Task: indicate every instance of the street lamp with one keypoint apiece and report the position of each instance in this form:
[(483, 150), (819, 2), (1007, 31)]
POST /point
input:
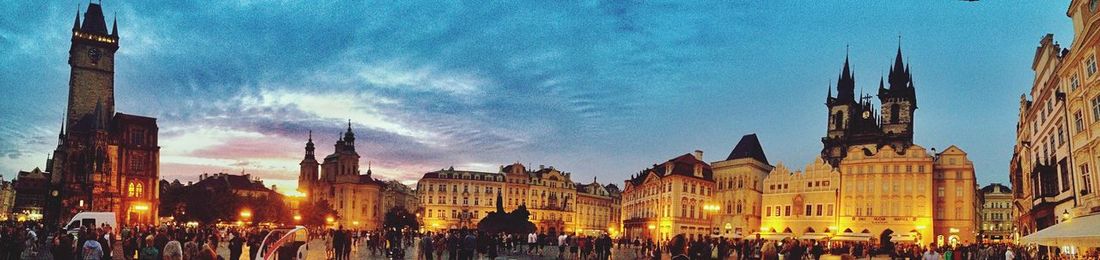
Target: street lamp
[(245, 213), (297, 218), (1065, 215)]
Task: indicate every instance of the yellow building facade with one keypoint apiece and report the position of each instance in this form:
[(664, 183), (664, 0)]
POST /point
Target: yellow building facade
[(739, 187), (886, 193), (1079, 71), (596, 210), (887, 187), (356, 197), (455, 199), (671, 198), (801, 204)]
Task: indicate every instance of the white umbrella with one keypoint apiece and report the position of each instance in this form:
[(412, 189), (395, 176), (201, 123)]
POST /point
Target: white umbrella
[(1081, 232)]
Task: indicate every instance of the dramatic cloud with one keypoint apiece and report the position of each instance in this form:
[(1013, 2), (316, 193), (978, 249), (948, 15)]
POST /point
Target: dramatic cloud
[(595, 88)]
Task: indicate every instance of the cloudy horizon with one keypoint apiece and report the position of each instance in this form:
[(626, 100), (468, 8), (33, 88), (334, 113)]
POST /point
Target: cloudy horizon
[(599, 89)]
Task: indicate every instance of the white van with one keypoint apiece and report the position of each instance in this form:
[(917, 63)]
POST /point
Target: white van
[(92, 219)]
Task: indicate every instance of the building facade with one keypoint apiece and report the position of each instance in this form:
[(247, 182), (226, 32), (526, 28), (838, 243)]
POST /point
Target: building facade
[(356, 198), (1083, 95), (670, 199), (801, 204), (7, 199), (885, 186), (996, 214), (1043, 166), (32, 193), (596, 210), (104, 161), (398, 195), (456, 199), (739, 187), (1054, 164)]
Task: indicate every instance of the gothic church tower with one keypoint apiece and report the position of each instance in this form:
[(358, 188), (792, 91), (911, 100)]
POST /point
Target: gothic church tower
[(92, 62)]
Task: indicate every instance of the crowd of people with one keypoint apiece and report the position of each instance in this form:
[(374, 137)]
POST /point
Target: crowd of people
[(31, 240), (470, 244)]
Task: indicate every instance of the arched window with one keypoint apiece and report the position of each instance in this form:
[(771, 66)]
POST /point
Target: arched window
[(134, 189)]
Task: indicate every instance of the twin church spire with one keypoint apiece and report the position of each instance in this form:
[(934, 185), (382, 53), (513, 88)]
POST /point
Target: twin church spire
[(854, 121)]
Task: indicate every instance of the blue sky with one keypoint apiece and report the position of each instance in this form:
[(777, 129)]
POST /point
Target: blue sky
[(596, 88)]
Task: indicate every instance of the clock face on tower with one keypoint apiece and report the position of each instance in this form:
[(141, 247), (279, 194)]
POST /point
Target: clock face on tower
[(866, 114), (94, 54)]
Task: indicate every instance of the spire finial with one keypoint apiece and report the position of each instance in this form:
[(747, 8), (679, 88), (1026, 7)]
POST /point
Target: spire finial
[(311, 135)]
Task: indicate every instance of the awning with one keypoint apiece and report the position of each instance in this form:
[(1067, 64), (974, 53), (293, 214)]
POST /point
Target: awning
[(813, 236), (773, 236), (852, 237), (903, 238), (1080, 231)]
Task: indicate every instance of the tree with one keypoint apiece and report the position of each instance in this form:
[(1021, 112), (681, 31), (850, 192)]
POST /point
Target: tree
[(270, 208), (314, 213), (398, 217), (501, 222)]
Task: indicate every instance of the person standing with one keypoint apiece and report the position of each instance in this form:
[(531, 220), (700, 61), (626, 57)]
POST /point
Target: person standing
[(236, 246), (424, 247), (532, 242), (1008, 254), (930, 253), (469, 245)]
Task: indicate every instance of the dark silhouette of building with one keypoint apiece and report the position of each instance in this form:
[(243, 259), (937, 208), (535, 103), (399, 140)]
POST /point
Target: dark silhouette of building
[(104, 161), (853, 120)]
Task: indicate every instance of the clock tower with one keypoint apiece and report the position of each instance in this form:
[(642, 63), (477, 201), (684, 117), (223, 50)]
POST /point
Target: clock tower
[(92, 62)]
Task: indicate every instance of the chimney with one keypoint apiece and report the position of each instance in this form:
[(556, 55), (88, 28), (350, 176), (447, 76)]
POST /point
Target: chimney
[(699, 155)]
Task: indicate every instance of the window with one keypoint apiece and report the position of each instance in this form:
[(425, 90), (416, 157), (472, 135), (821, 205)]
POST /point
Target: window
[(1074, 82), (1096, 108), (809, 210), (819, 206), (768, 212), (830, 211), (958, 192), (787, 210), (1078, 122), (1061, 136), (1090, 63), (1086, 180), (939, 192), (135, 189)]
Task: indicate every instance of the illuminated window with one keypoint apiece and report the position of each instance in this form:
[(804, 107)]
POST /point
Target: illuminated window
[(134, 189)]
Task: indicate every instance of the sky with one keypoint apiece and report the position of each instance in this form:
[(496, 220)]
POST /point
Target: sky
[(600, 89)]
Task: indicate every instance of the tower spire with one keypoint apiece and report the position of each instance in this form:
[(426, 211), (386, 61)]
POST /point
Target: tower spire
[(76, 24), (114, 26), (845, 82)]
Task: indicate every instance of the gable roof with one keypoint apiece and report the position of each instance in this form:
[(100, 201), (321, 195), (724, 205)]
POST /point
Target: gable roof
[(683, 165), (748, 147)]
